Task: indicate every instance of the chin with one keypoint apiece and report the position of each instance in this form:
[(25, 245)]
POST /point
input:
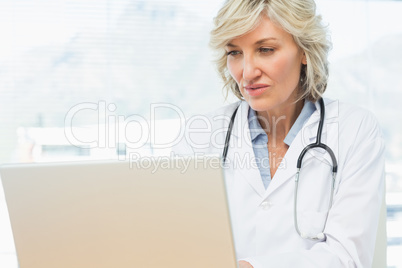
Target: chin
[(261, 105)]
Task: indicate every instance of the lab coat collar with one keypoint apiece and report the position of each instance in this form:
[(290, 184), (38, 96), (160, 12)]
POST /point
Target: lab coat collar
[(240, 124), (306, 136), (331, 112), (242, 155), (241, 128), (287, 170)]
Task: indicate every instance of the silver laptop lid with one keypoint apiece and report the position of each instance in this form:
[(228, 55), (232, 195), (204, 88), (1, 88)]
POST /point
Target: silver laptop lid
[(120, 214)]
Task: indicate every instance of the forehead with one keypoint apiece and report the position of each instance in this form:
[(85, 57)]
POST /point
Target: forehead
[(265, 29)]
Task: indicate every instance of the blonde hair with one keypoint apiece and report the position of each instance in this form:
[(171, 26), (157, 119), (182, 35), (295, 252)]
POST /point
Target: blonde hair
[(238, 17)]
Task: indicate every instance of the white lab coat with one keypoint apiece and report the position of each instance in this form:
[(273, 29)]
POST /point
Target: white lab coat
[(263, 219)]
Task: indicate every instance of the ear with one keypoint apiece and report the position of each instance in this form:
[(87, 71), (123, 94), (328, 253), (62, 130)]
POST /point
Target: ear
[(304, 59)]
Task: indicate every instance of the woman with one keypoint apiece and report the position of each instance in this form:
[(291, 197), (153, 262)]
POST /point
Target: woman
[(272, 54)]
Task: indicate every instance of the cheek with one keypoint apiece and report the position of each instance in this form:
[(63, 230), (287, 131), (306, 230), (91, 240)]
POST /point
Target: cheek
[(285, 69), (234, 69)]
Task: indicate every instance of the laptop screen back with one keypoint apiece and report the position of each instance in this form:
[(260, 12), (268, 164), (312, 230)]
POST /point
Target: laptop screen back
[(120, 214)]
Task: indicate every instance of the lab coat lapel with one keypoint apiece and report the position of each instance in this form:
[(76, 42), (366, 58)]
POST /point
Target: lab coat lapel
[(241, 153), (306, 136), (329, 133), (287, 169)]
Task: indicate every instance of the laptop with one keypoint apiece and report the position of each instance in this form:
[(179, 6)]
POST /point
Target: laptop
[(144, 213)]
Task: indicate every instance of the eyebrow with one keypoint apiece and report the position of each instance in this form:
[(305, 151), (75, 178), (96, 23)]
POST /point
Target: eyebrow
[(259, 42), (265, 40), (230, 45)]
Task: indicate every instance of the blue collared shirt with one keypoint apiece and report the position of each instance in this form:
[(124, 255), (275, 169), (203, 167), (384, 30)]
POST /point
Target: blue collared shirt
[(259, 138)]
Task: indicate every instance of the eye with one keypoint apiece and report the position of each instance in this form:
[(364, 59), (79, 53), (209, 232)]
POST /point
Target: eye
[(266, 50), (233, 53)]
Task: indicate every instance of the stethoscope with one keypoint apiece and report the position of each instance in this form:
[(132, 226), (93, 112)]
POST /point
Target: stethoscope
[(317, 144)]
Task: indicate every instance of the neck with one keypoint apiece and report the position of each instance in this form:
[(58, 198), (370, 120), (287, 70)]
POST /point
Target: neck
[(278, 122)]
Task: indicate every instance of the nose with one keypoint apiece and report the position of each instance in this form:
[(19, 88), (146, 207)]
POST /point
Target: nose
[(251, 70)]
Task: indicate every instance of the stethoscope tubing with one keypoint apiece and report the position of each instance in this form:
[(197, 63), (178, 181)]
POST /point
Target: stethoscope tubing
[(318, 144)]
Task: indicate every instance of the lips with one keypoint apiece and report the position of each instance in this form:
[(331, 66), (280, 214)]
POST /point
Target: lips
[(256, 89)]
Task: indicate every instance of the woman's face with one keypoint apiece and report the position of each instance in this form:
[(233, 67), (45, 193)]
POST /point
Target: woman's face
[(266, 65)]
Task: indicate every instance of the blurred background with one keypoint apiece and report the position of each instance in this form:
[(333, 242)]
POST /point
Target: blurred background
[(88, 65)]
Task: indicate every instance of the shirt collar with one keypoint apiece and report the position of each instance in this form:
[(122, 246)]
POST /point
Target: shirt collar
[(306, 112), (254, 126), (256, 129)]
